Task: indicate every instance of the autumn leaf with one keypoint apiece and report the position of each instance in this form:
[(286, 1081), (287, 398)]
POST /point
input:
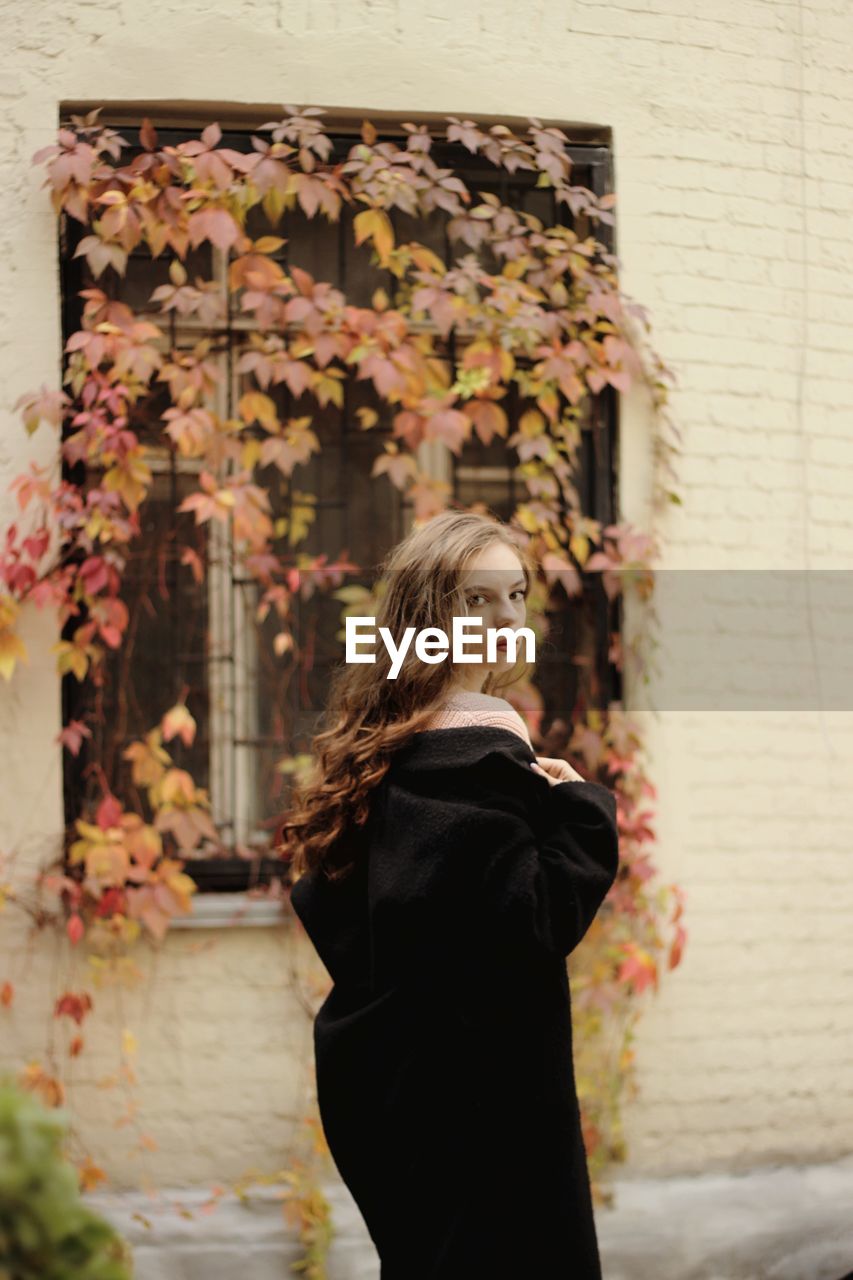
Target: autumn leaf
[(450, 426), (179, 721), (73, 1006), (148, 759), (367, 417), (90, 1174), (34, 1079), (254, 406), (558, 569), (328, 386), (212, 503), (74, 928), (12, 648), (129, 478), (376, 225), (399, 467), (45, 406), (72, 657), (489, 419), (269, 244), (176, 788), (215, 225), (108, 813), (639, 969)]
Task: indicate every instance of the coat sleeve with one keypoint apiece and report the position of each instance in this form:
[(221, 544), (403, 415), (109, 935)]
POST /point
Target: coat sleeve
[(553, 865)]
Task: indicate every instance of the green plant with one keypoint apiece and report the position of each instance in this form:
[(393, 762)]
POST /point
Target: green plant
[(46, 1231)]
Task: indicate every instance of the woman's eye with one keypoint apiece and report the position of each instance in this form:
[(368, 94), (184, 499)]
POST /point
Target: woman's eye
[(521, 591)]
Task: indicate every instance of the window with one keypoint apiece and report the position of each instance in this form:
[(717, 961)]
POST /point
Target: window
[(202, 640)]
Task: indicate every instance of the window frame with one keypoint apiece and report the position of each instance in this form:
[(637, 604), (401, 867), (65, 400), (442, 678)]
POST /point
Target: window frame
[(232, 756)]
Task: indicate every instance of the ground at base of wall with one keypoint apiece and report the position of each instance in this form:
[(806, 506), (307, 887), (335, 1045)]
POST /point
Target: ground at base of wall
[(784, 1223), (772, 1224)]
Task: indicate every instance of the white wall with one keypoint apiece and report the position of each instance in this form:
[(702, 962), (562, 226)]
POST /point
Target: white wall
[(732, 141)]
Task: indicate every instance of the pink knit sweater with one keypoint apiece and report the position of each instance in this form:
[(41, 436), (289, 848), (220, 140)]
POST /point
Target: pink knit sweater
[(465, 707)]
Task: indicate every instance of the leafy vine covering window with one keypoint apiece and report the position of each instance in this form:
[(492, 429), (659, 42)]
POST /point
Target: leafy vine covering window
[(340, 457), (282, 345)]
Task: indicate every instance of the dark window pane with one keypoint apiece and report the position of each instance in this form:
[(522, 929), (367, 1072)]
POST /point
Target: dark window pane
[(164, 654)]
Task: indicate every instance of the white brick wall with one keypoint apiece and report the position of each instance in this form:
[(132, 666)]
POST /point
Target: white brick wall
[(732, 143)]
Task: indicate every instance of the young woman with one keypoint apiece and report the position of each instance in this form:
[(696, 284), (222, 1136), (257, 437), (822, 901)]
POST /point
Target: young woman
[(444, 873)]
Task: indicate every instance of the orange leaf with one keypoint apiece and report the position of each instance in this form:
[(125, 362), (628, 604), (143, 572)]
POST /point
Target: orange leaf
[(90, 1174)]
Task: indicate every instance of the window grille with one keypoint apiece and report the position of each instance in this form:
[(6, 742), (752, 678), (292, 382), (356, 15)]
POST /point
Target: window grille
[(202, 640)]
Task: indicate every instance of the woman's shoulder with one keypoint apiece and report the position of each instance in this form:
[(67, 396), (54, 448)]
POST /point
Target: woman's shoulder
[(469, 707)]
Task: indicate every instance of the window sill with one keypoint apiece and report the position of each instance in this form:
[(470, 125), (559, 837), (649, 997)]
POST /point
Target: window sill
[(232, 910)]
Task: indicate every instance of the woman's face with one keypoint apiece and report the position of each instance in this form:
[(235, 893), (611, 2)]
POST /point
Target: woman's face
[(493, 586)]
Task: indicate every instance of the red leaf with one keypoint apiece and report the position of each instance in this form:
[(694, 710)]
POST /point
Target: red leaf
[(75, 929), (109, 812), (73, 1006), (72, 736)]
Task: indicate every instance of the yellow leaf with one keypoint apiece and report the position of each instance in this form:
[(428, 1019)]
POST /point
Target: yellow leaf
[(177, 787), (532, 423), (182, 886), (579, 547), (254, 406), (128, 1042), (527, 519), (9, 610), (507, 364), (515, 269), (11, 649), (250, 454), (71, 658), (375, 224), (275, 202), (425, 260), (268, 244)]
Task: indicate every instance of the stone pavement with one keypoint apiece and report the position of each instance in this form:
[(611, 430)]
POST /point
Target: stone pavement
[(771, 1224)]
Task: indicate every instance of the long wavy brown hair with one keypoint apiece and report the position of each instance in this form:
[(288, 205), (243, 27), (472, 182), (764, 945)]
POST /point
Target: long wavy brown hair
[(367, 716)]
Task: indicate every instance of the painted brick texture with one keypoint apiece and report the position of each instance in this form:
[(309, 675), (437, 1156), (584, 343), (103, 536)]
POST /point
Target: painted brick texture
[(733, 155)]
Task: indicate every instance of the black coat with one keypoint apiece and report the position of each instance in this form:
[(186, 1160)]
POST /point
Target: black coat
[(443, 1052)]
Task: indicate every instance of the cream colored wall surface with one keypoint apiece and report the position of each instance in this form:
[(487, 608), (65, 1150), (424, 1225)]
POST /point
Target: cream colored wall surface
[(732, 141)]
